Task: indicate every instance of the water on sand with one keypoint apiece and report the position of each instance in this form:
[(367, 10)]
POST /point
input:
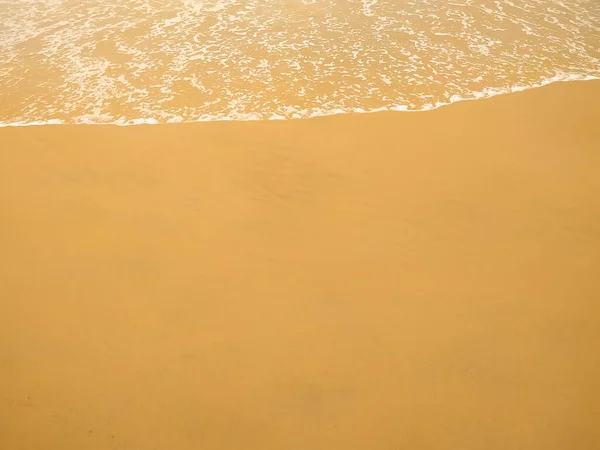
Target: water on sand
[(149, 61)]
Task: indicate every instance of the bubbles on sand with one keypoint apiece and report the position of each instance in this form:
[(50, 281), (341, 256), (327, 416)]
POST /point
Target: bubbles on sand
[(150, 61)]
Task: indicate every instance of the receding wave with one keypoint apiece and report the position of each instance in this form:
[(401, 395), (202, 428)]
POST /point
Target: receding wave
[(150, 61)]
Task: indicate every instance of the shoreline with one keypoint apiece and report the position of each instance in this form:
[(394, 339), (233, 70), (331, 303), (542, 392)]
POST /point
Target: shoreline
[(477, 96)]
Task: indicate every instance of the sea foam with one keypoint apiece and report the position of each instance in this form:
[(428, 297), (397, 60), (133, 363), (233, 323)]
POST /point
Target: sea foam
[(181, 61)]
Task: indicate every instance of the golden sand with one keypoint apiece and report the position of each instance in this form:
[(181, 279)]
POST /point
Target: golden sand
[(385, 281)]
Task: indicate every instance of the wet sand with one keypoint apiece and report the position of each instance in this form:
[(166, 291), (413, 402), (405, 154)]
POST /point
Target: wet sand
[(385, 281)]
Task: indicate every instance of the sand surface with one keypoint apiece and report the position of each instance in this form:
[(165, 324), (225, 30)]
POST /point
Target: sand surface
[(385, 281)]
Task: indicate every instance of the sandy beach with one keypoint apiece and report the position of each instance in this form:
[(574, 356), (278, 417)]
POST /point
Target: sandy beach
[(368, 281)]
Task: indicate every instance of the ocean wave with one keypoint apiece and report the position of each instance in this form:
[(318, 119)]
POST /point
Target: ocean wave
[(141, 62), (485, 94)]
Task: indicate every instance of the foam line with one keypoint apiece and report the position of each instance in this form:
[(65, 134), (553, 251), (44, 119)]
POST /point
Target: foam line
[(486, 94)]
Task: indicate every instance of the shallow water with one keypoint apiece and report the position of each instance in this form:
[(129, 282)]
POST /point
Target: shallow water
[(145, 61)]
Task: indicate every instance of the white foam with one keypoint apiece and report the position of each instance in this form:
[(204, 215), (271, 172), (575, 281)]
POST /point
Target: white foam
[(317, 112), (367, 7), (32, 123), (198, 60)]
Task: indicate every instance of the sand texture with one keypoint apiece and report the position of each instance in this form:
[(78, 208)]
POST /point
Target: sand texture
[(418, 281)]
